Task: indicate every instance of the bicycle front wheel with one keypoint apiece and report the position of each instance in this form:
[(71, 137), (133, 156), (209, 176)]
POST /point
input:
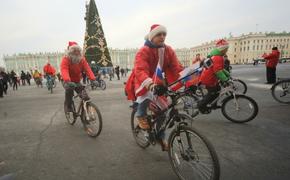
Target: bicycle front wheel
[(102, 84), (70, 116), (281, 91), (239, 108), (92, 120), (192, 156), (240, 86), (141, 136)]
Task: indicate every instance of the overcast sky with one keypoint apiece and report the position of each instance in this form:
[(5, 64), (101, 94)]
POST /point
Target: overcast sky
[(47, 25)]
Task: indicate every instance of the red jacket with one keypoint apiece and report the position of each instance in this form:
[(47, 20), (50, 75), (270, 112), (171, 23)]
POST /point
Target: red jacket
[(208, 77), (73, 72), (272, 59), (49, 69), (146, 61)]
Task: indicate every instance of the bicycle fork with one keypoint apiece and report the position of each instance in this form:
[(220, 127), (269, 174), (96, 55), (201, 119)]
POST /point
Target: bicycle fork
[(188, 153), (86, 110)]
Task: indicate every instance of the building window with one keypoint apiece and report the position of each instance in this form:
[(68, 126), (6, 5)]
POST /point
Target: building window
[(248, 48), (244, 48), (261, 41), (254, 41), (235, 49), (257, 41), (235, 56), (261, 47), (254, 47), (273, 40), (270, 40), (248, 42), (241, 49), (257, 47)]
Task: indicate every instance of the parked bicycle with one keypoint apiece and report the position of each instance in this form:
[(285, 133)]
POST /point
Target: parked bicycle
[(88, 112), (191, 155), (281, 90)]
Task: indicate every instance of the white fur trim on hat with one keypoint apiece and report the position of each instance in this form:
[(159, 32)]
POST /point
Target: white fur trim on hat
[(73, 47), (223, 47), (155, 31)]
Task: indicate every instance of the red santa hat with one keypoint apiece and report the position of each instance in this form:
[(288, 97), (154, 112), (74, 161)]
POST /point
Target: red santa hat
[(221, 44), (154, 30), (72, 46)]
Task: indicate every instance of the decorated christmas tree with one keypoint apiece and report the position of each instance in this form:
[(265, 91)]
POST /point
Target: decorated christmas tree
[(95, 45)]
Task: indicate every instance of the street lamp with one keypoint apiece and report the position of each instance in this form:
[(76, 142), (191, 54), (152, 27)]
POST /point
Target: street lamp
[(282, 47)]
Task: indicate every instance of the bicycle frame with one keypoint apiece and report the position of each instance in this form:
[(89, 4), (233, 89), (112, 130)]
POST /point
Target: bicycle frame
[(170, 112), (82, 105)]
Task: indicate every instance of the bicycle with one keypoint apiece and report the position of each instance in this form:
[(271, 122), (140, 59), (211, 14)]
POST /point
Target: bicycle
[(88, 112), (232, 104), (281, 90), (100, 84), (191, 155)]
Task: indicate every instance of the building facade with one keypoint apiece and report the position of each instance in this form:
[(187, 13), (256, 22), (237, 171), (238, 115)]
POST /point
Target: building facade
[(120, 57), (246, 48), (243, 49)]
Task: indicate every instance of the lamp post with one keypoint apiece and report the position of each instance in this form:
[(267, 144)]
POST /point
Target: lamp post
[(282, 47)]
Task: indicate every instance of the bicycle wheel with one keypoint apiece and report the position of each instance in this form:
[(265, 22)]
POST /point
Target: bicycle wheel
[(93, 120), (51, 87), (141, 136), (102, 84), (187, 104), (54, 84), (239, 109), (192, 156), (240, 86), (281, 91), (70, 117)]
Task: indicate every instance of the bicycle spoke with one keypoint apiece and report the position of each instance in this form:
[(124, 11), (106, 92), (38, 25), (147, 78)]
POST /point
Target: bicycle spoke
[(194, 160)]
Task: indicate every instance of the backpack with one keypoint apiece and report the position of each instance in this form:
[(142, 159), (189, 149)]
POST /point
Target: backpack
[(130, 87)]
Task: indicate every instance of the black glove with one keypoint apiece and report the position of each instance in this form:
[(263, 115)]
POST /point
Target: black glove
[(159, 90), (70, 85)]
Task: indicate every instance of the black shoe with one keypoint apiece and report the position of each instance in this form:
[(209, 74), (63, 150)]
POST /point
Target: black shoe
[(215, 106), (204, 110)]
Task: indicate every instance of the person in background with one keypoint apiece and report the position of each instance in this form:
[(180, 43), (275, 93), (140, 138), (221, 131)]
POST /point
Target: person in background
[(23, 78), (28, 77), (271, 64), (14, 80)]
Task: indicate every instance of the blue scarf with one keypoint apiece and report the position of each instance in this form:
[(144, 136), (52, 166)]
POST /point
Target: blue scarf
[(151, 45)]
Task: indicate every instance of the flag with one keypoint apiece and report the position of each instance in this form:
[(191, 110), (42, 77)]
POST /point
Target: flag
[(158, 76)]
